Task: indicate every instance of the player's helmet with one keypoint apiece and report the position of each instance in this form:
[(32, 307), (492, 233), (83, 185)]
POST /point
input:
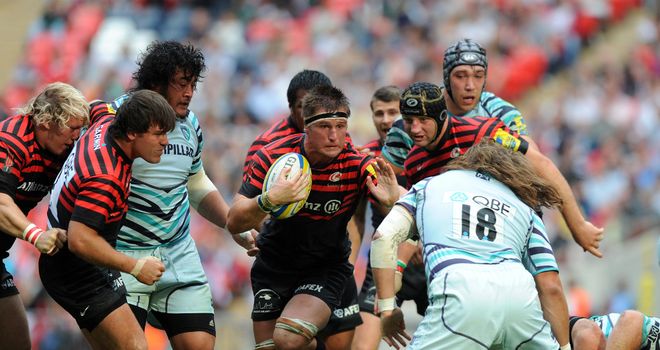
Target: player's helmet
[(424, 100), (463, 52)]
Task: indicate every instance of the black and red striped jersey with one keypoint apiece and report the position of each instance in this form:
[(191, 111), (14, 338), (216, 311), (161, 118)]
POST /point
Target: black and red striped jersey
[(374, 146), (27, 171), (281, 129), (92, 187), (462, 133), (316, 235)]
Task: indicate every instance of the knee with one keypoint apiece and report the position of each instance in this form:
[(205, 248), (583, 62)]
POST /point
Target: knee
[(288, 341), (588, 336), (291, 334)]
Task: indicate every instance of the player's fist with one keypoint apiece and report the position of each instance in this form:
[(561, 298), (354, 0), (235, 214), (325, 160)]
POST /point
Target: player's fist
[(148, 270), (51, 241)]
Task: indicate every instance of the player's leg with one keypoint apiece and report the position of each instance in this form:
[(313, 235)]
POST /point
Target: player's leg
[(118, 330), (14, 331), (585, 334), (138, 294), (182, 302), (367, 335), (338, 334), (301, 319), (627, 333)]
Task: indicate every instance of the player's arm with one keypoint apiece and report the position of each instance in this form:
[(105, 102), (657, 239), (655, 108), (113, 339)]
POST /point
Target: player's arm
[(247, 213), (14, 223), (391, 232), (584, 232), (553, 303), (86, 243)]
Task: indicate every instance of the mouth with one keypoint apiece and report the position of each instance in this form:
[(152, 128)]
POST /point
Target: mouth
[(469, 99)]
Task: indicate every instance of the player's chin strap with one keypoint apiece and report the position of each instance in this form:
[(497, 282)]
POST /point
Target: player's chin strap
[(265, 345), (297, 326)]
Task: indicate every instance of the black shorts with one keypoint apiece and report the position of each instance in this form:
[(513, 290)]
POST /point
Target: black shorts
[(274, 285), (7, 286), (413, 287), (347, 315), (88, 292)]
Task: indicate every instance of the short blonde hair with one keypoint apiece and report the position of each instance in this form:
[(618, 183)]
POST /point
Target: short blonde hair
[(57, 102)]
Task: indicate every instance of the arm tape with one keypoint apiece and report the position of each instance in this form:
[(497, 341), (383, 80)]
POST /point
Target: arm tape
[(393, 230), (199, 185)]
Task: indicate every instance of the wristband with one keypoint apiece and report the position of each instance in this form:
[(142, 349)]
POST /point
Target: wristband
[(32, 233), (566, 347), (264, 203), (139, 264), (386, 304), (400, 266), (138, 267)]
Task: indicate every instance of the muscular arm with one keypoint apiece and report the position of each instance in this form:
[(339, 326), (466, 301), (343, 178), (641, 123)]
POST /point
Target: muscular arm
[(13, 222), (244, 215), (206, 199), (553, 303), (585, 234), (86, 243), (12, 219)]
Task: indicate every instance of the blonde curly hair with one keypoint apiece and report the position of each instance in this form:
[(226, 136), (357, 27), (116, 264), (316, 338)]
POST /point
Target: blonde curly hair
[(57, 103)]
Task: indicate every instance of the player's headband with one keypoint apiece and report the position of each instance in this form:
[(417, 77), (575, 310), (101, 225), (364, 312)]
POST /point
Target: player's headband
[(331, 115)]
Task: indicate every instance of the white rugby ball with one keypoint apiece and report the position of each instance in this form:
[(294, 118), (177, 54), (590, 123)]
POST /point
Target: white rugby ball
[(297, 163)]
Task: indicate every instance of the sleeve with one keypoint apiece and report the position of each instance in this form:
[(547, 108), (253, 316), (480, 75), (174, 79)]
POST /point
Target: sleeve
[(504, 111), (99, 109), (253, 179), (12, 160), (509, 139), (100, 202), (197, 158), (539, 256), (409, 200), (397, 144)]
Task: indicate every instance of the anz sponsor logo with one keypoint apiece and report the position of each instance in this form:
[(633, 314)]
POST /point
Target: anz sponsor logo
[(330, 207), (347, 311), (178, 150)]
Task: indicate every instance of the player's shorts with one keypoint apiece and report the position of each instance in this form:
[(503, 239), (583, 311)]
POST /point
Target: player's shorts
[(274, 285), (413, 287), (88, 292), (477, 306), (7, 286), (650, 333), (346, 316), (182, 292)]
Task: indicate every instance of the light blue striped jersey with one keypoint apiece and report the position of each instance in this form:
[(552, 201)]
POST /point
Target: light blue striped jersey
[(650, 329), (158, 206), (398, 143), (466, 217)]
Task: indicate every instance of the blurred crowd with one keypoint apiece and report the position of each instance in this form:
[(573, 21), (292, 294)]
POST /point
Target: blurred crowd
[(599, 128)]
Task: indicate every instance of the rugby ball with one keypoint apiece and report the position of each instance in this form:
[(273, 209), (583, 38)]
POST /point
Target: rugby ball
[(297, 163)]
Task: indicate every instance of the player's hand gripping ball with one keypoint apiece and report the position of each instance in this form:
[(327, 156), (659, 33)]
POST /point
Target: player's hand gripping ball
[(297, 162)]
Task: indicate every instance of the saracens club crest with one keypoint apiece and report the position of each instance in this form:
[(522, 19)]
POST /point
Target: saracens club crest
[(335, 177), (8, 164)]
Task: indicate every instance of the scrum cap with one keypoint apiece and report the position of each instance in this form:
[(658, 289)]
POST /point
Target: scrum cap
[(463, 52), (424, 100)]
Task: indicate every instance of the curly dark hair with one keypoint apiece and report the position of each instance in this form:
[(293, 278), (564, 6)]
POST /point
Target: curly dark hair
[(160, 62)]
